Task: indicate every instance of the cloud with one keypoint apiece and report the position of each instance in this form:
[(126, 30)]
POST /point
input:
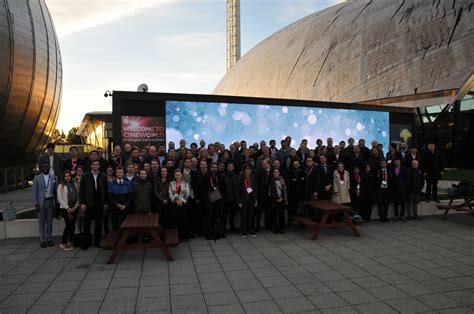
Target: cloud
[(75, 15)]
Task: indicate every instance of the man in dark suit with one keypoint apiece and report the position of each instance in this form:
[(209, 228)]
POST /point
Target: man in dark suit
[(384, 182), (355, 159), (313, 179), (273, 149), (92, 196), (364, 149), (264, 178), (399, 188), (413, 155), (326, 172), (55, 161), (303, 152), (433, 169), (335, 157)]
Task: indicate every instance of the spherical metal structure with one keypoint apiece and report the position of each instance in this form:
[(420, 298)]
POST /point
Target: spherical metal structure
[(30, 79), (361, 50)]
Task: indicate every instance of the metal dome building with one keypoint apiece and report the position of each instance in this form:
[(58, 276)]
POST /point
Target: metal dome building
[(30, 79), (361, 51)]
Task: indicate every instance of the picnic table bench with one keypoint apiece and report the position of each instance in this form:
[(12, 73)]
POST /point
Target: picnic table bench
[(143, 225), (465, 206), (330, 214)]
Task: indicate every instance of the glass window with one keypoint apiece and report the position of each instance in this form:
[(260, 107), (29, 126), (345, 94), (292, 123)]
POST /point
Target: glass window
[(467, 103)]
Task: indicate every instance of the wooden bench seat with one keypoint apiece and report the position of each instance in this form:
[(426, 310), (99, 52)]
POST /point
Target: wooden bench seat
[(108, 243), (305, 221), (171, 238)]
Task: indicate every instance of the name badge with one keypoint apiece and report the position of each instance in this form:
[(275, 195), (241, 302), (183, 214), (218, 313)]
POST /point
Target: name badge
[(341, 182), (389, 161), (249, 190), (384, 182), (358, 186)]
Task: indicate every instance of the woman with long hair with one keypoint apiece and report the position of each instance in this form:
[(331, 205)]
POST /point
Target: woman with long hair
[(368, 191), (179, 193), (161, 186), (68, 198)]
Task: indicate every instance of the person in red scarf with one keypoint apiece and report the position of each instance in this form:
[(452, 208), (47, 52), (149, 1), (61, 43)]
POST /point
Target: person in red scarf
[(247, 200)]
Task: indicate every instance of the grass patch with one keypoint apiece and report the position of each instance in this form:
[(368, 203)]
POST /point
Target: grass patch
[(458, 175), (29, 214)]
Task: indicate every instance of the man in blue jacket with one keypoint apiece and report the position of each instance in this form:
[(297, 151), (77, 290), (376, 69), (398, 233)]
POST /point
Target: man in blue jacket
[(44, 199), (120, 198)]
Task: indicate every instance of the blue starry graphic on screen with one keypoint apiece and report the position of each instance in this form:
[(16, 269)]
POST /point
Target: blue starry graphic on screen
[(230, 122)]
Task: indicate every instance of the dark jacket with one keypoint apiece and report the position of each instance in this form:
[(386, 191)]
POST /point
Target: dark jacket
[(355, 161), (231, 186), (432, 165), (296, 184), (369, 187), (161, 189), (380, 178), (120, 193), (400, 182), (409, 158), (242, 191), (313, 181), (416, 180), (69, 166), (273, 189), (201, 181), (88, 194), (264, 181), (58, 166), (142, 194)]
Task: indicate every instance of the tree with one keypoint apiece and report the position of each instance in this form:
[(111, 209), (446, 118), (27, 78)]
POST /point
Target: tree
[(72, 138)]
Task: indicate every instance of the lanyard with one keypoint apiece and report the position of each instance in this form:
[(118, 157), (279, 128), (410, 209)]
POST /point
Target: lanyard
[(212, 182)]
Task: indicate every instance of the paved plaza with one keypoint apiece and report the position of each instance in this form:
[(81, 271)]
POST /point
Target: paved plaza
[(417, 266)]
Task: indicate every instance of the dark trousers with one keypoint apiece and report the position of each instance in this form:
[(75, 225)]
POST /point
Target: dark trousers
[(70, 225), (196, 216), (106, 222), (117, 216), (247, 216), (94, 212), (263, 207), (383, 200), (431, 187), (399, 203), (230, 208), (413, 199), (366, 208), (178, 217), (277, 215), (214, 219)]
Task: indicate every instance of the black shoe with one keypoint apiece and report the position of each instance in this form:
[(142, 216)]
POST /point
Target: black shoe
[(253, 234), (50, 243), (243, 235), (43, 244)]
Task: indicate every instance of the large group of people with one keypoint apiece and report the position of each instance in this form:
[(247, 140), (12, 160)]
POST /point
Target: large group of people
[(199, 189)]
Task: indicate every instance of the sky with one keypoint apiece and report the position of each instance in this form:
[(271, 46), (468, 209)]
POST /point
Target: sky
[(171, 45)]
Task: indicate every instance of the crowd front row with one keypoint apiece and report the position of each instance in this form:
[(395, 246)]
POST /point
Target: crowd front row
[(200, 191)]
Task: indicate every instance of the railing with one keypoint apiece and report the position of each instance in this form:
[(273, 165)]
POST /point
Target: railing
[(13, 178)]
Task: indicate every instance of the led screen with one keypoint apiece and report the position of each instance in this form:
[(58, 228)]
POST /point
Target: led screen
[(229, 122)]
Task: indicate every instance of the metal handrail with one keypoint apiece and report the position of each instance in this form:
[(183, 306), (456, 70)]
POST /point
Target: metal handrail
[(12, 178)]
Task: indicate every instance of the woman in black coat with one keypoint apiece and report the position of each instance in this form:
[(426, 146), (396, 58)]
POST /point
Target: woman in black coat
[(355, 182), (296, 189), (368, 191)]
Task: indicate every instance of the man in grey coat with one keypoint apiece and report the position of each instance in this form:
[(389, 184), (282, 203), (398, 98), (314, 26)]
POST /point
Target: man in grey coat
[(44, 199)]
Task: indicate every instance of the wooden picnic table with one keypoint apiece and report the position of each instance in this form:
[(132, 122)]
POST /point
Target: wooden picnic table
[(143, 225), (466, 206), (330, 214)]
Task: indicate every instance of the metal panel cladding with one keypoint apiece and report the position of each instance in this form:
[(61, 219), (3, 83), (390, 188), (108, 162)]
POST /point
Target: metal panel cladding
[(30, 79)]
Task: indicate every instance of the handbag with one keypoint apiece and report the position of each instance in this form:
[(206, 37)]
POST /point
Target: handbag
[(82, 240), (214, 196)]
